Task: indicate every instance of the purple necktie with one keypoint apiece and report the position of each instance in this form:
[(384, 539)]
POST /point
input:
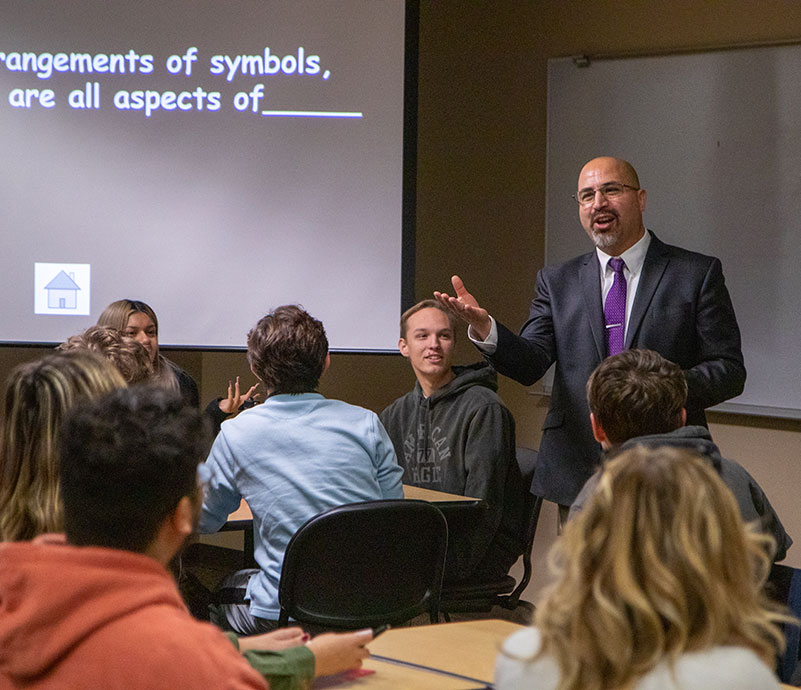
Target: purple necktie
[(615, 309)]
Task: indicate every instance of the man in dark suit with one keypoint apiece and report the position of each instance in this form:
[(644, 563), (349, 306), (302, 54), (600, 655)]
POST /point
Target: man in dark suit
[(670, 300)]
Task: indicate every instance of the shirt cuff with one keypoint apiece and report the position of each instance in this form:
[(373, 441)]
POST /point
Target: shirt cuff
[(489, 345)]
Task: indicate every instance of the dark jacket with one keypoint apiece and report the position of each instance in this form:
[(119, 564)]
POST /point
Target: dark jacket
[(682, 310), (754, 504), (461, 440)]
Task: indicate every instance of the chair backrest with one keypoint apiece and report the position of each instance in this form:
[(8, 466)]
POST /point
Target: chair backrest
[(784, 586), (365, 564), (481, 595), (527, 461)]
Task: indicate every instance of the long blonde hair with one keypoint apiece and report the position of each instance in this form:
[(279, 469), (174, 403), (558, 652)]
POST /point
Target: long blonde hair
[(38, 394), (116, 315), (657, 564)]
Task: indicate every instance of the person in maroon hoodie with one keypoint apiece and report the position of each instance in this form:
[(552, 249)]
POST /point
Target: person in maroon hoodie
[(96, 607)]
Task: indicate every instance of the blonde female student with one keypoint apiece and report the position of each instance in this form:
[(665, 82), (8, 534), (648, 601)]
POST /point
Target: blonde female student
[(38, 395), (659, 587)]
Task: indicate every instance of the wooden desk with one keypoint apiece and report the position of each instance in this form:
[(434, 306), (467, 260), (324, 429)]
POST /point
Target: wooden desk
[(468, 648), (242, 518), (390, 676), (399, 656), (432, 496)]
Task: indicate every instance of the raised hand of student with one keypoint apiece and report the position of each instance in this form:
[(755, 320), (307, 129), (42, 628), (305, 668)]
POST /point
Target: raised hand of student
[(231, 404), (336, 652)]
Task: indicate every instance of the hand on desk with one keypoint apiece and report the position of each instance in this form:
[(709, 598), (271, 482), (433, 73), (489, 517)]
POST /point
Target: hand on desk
[(336, 652)]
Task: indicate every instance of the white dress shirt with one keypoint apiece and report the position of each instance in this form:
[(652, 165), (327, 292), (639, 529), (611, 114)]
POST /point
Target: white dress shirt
[(633, 257)]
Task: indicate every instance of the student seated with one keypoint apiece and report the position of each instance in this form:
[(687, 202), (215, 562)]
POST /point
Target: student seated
[(97, 608), (638, 398), (137, 320), (292, 457), (127, 355), (38, 395), (659, 587), (452, 433)]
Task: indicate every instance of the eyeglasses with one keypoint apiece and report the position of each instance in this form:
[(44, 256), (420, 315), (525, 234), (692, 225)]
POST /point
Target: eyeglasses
[(610, 190)]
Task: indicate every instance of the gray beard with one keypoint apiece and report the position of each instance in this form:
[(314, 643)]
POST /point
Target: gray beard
[(603, 240)]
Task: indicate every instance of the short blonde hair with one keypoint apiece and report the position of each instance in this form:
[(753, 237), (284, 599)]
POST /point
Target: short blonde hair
[(657, 564), (38, 394), (426, 304)]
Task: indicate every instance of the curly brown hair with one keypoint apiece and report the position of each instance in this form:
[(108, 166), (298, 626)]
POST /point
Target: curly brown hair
[(287, 350), (126, 354)]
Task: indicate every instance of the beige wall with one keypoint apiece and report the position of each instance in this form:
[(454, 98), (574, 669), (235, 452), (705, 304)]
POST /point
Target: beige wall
[(481, 171)]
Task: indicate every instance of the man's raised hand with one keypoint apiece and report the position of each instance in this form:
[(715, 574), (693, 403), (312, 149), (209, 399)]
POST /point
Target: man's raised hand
[(467, 308)]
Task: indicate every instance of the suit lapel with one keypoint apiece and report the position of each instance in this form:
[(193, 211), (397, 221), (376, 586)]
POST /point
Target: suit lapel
[(653, 269), (590, 279)]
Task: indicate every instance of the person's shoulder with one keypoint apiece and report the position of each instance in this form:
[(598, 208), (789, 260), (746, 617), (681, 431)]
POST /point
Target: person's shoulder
[(166, 643), (522, 644), (515, 666), (674, 252), (569, 266), (398, 404), (344, 410), (718, 668), (477, 382), (479, 396)]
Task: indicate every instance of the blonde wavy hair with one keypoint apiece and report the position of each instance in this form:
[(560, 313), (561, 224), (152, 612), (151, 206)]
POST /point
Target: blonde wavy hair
[(38, 394), (657, 564), (116, 315)]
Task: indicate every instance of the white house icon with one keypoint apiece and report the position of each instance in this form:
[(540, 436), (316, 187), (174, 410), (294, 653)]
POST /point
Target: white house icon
[(62, 292)]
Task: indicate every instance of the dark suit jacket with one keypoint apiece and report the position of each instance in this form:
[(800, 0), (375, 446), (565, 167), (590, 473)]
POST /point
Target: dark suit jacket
[(682, 310)]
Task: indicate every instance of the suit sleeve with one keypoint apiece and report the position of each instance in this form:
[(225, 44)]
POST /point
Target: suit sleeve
[(720, 372), (526, 357)]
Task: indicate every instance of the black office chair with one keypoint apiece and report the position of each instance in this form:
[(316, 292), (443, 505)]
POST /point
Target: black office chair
[(365, 564), (784, 586), (480, 596)]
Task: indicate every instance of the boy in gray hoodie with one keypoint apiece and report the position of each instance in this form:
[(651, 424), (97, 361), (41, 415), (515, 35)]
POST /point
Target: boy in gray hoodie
[(453, 434)]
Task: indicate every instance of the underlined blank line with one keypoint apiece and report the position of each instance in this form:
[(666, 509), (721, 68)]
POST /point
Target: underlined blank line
[(308, 113)]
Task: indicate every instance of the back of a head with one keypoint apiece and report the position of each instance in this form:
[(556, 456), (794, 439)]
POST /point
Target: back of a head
[(128, 356), (127, 459), (658, 563), (637, 393), (38, 395), (287, 350)]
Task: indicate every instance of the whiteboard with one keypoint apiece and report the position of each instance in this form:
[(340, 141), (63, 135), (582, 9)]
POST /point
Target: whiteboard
[(716, 140)]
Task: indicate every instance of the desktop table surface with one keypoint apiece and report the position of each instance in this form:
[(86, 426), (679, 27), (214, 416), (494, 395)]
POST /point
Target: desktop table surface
[(466, 648), (242, 516), (421, 657)]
